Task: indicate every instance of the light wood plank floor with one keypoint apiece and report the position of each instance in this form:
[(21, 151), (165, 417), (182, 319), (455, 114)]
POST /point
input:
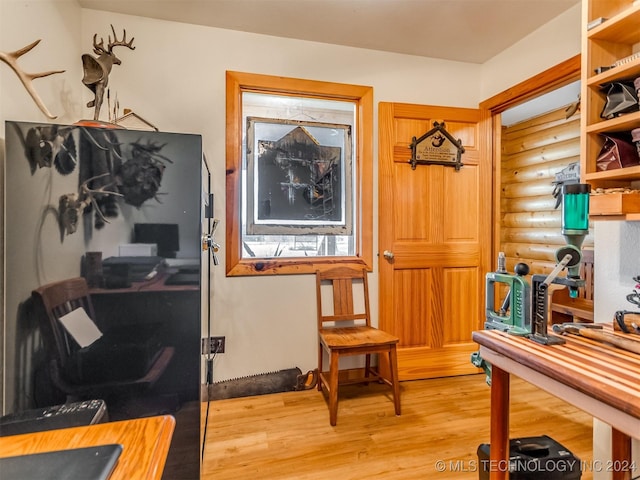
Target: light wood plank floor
[(288, 436)]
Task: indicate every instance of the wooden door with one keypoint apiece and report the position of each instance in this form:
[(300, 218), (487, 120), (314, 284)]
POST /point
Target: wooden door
[(436, 222)]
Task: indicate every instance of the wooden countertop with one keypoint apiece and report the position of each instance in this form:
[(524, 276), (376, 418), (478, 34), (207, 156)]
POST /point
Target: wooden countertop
[(145, 443), (601, 371)]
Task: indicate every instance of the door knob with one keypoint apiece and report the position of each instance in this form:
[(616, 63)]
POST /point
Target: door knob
[(388, 255)]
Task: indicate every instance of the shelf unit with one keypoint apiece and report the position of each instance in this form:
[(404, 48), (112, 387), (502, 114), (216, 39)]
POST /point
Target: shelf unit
[(614, 39)]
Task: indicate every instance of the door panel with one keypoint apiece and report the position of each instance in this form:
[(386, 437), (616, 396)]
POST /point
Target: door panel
[(461, 223), (410, 225), (412, 312), (436, 222), (460, 308)]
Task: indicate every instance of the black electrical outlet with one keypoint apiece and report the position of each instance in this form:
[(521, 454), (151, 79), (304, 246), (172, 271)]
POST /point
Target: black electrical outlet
[(213, 345)]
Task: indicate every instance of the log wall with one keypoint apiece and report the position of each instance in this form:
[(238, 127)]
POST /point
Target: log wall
[(532, 152)]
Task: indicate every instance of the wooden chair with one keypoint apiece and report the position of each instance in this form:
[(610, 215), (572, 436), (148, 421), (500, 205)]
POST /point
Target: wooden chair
[(346, 331), (563, 308), (62, 297)]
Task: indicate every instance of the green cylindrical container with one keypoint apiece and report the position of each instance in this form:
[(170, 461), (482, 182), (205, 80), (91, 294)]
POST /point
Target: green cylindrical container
[(575, 207)]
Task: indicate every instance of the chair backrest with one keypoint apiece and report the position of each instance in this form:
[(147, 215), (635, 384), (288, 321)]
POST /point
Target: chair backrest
[(343, 281), (58, 299), (564, 308), (586, 272)]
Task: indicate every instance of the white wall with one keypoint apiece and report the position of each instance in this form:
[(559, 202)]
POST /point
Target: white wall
[(617, 260), (175, 79), (57, 24), (549, 45), (617, 254)]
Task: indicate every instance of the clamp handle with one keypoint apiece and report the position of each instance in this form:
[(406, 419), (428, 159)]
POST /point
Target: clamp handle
[(209, 243)]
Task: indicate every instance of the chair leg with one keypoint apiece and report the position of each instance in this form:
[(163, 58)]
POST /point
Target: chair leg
[(395, 384), (367, 366), (320, 352), (333, 389)]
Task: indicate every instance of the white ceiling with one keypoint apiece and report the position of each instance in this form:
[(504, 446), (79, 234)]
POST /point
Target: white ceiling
[(463, 30)]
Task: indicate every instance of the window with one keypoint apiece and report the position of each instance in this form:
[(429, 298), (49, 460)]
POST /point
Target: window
[(299, 175)]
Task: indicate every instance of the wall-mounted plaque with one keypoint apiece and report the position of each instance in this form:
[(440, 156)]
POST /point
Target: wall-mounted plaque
[(436, 147)]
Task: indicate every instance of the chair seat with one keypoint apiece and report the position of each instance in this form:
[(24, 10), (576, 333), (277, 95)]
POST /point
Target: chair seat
[(354, 337)]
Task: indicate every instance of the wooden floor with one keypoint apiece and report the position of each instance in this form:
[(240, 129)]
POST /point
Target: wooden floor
[(288, 436)]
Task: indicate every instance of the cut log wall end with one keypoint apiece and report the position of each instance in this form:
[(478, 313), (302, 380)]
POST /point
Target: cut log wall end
[(533, 151)]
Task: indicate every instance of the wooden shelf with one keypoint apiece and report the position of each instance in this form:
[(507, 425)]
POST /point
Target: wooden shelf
[(629, 217), (627, 71), (623, 174), (604, 45), (621, 28), (622, 123), (614, 204)]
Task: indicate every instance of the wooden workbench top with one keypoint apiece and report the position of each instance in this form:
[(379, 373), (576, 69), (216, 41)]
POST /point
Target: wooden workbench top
[(145, 443), (599, 370)]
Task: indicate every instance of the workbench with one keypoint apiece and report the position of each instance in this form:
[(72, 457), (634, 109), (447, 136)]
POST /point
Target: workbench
[(602, 380), (145, 444)]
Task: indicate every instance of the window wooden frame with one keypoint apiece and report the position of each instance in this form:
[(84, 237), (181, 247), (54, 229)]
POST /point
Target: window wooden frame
[(362, 97)]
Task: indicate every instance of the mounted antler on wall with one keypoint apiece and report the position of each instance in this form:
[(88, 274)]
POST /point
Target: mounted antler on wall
[(11, 59), (97, 70)]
